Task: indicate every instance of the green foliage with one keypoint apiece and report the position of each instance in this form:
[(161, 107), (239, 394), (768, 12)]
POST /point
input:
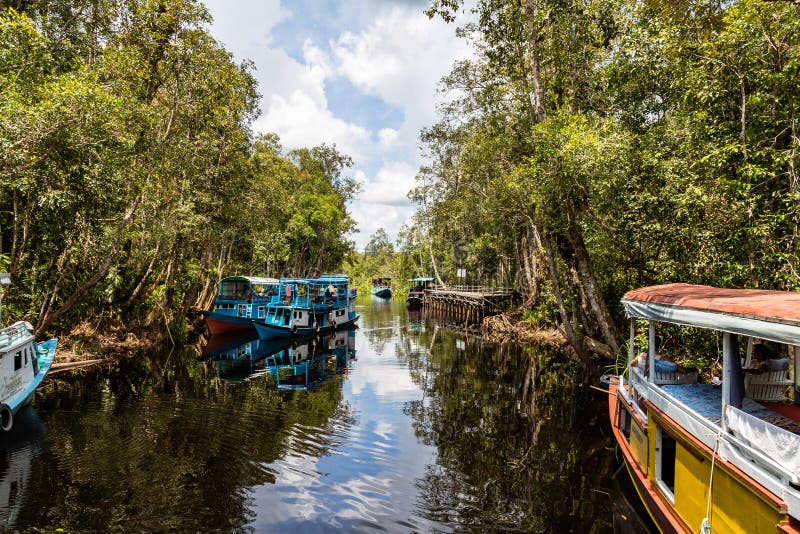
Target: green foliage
[(623, 144), (129, 179)]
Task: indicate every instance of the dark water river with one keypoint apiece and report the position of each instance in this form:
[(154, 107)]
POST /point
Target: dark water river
[(399, 426)]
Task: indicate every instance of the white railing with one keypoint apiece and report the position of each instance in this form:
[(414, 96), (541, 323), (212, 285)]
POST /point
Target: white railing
[(14, 333)]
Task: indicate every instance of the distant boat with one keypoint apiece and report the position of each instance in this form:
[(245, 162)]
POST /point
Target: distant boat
[(240, 299), (308, 306), (416, 292), (382, 287), (23, 365)]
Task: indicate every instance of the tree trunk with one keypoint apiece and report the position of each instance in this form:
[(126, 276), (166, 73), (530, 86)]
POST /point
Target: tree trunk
[(47, 320), (191, 295), (143, 279), (577, 344), (537, 95), (433, 262), (590, 286)]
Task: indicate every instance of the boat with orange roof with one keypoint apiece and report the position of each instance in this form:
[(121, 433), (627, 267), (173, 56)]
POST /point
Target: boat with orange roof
[(723, 456)]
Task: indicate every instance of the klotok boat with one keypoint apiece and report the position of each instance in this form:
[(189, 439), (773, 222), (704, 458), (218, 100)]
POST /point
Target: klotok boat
[(308, 306), (417, 291), (702, 456), (23, 365), (240, 299), (382, 287)]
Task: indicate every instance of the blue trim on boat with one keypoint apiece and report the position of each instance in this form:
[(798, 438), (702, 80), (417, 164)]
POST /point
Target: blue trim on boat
[(269, 331), (45, 353)]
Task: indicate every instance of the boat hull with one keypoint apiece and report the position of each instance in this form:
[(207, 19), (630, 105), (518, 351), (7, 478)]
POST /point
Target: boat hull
[(270, 331), (739, 504), (44, 353), (219, 323), (384, 292)]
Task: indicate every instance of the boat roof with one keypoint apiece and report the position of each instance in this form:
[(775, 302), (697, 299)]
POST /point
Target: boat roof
[(766, 314), (334, 275), (251, 279), (421, 279), (324, 280)]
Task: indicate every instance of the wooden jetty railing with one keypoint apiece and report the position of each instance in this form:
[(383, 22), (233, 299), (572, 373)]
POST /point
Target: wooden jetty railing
[(467, 303)]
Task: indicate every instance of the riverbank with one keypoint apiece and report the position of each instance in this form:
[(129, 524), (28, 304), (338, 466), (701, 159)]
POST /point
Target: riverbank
[(85, 345), (512, 327)]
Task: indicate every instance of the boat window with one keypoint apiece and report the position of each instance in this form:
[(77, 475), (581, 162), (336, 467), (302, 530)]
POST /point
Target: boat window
[(625, 423), (261, 311), (665, 462), (18, 360), (234, 289)]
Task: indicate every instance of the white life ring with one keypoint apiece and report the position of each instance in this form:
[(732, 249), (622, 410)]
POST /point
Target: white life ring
[(6, 418)]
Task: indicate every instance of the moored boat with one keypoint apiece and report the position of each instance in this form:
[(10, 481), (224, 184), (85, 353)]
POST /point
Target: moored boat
[(307, 306), (382, 287), (416, 292), (23, 365), (708, 456), (239, 300)]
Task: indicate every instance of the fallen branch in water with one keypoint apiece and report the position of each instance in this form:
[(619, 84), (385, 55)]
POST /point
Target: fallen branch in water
[(69, 366)]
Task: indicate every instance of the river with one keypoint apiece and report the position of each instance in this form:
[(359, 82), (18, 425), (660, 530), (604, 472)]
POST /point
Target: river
[(400, 425)]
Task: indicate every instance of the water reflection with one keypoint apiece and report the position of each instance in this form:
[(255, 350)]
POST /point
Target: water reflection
[(17, 451), (428, 430), (299, 363)]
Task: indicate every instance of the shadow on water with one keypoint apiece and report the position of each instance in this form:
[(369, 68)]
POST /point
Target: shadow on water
[(427, 430)]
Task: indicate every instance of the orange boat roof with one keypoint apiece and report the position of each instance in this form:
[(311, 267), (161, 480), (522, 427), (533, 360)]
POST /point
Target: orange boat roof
[(781, 306)]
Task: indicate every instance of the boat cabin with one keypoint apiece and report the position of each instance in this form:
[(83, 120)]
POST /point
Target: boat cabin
[(420, 284), (237, 289), (722, 454)]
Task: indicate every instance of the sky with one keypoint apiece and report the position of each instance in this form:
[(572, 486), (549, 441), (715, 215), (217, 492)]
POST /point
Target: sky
[(360, 74)]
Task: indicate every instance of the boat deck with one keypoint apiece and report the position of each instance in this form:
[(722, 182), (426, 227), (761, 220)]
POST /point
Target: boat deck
[(706, 400)]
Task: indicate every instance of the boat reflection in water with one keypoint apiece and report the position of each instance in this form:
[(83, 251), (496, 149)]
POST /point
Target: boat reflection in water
[(299, 363), (18, 448)]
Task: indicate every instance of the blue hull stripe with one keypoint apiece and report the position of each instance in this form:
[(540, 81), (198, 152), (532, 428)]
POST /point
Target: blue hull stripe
[(45, 361), (268, 331)]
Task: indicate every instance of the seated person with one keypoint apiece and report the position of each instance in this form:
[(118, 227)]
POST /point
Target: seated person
[(766, 359), (663, 364)]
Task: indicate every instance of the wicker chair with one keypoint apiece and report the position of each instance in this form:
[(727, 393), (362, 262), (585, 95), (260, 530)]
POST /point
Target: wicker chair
[(770, 386)]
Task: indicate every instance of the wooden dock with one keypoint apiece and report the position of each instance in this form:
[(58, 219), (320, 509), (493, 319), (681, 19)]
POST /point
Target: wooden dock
[(469, 304)]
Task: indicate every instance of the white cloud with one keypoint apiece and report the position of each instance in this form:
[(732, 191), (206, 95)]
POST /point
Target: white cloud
[(387, 137), (401, 57), (244, 26), (392, 52), (390, 185), (301, 121)]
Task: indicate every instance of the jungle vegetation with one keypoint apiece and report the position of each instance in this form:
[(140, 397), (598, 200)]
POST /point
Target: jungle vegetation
[(130, 180), (590, 147)]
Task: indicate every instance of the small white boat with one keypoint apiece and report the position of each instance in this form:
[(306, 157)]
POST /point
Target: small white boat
[(23, 365)]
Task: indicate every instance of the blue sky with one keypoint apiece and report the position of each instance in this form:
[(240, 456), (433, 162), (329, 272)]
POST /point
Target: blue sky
[(361, 74)]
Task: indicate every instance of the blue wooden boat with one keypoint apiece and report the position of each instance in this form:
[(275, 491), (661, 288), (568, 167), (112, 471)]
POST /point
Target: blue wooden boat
[(240, 299), (23, 365), (417, 291), (307, 306), (382, 287)]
